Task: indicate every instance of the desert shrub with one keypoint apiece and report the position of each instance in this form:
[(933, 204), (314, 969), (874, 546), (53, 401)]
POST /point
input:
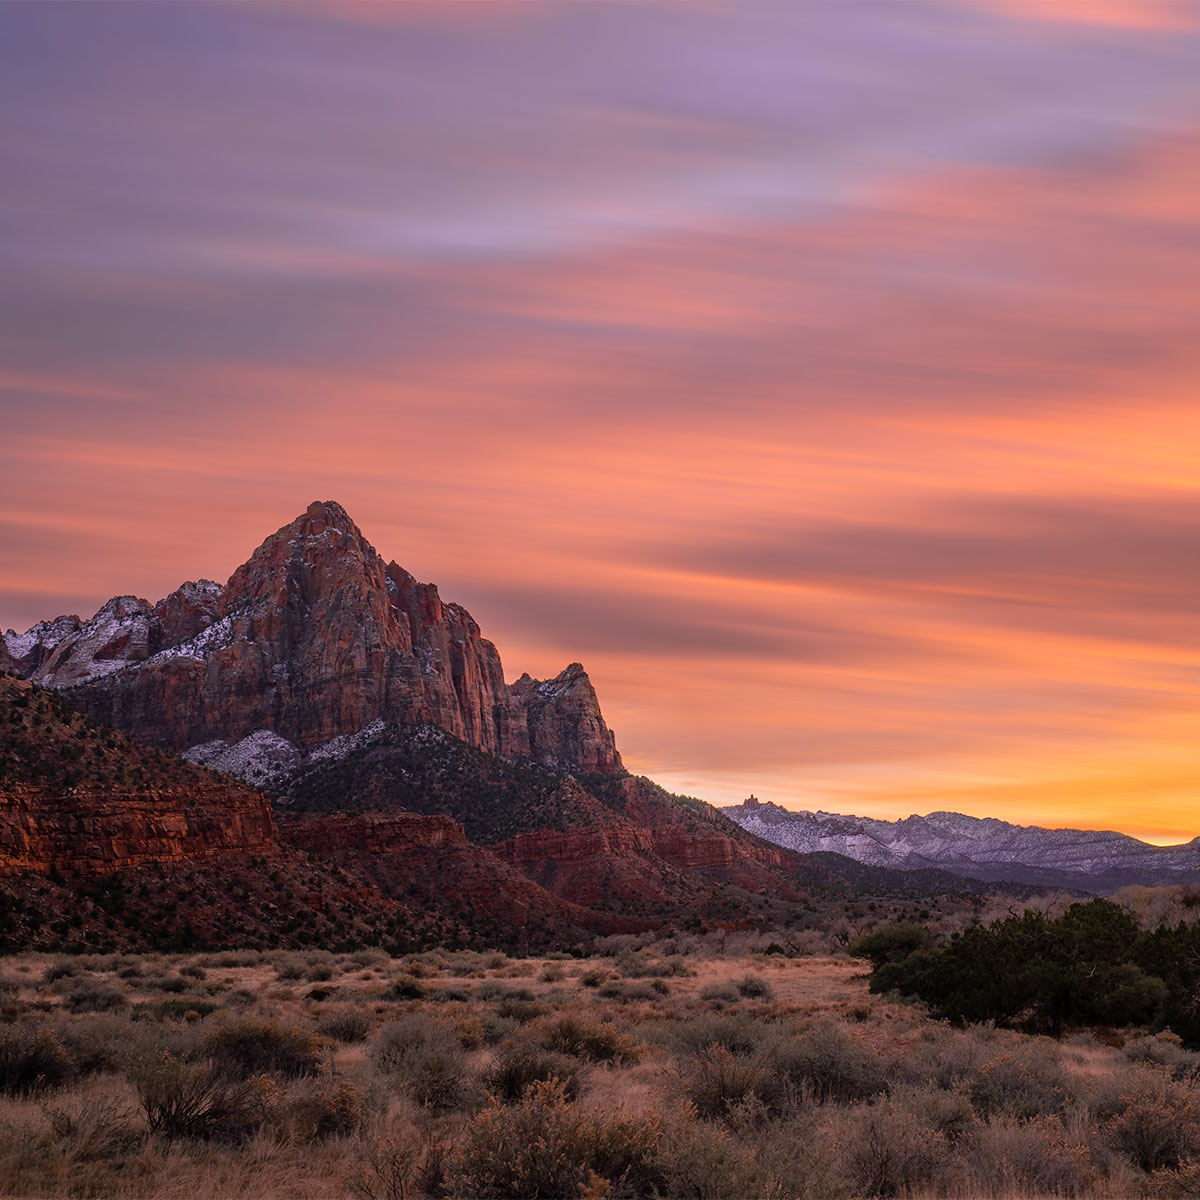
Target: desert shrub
[(493, 1028), (492, 990), (311, 1110), (552, 973), (289, 966), (717, 1082), (1025, 1081), (400, 1158), (628, 993), (593, 977), (193, 971), (91, 1124), (644, 966), (517, 1065), (451, 995), (830, 1064), (1038, 1157), (754, 987), (253, 1047), (404, 987), (1165, 1050), (194, 1100), (32, 1058), (96, 1042), (344, 1024), (595, 1042), (90, 995), (1156, 1125), (235, 958), (522, 1011), (190, 1008), (166, 983), (739, 1033), (888, 1151), (545, 1147), (780, 1161), (369, 956), (61, 969), (427, 1060), (720, 993), (945, 1057)]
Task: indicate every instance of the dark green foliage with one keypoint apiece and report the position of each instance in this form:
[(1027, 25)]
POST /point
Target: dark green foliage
[(892, 943), (1091, 966), (426, 770)]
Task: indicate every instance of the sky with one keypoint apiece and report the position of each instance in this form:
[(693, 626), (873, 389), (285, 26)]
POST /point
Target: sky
[(825, 377)]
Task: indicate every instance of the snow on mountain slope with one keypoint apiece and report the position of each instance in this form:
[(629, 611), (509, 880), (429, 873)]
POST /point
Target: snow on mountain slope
[(980, 846)]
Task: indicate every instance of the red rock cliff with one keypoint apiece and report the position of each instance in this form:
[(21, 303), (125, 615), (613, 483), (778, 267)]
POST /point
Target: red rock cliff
[(313, 637), (80, 834)]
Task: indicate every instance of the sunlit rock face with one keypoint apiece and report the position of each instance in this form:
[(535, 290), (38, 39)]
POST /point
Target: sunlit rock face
[(313, 638)]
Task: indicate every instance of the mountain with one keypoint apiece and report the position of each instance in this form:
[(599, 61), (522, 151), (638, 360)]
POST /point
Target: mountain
[(1098, 861), (313, 638), (397, 761)]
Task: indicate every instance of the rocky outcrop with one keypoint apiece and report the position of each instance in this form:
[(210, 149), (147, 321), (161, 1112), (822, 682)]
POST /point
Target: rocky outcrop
[(564, 727), (45, 832), (313, 638)]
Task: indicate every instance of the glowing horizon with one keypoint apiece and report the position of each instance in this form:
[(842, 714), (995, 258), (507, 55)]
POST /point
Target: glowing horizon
[(825, 382)]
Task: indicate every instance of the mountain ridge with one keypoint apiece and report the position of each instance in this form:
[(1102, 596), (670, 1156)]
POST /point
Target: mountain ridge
[(978, 847)]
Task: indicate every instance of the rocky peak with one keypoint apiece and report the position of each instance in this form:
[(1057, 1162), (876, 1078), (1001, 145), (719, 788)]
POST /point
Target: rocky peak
[(566, 729), (311, 639)]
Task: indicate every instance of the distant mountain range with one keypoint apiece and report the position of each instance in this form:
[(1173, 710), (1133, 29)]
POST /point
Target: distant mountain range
[(1097, 861)]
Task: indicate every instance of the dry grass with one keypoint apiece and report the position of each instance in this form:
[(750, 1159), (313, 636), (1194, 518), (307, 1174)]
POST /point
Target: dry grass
[(789, 1081)]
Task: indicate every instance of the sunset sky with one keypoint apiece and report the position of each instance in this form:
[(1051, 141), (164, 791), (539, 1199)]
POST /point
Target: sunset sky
[(825, 377)]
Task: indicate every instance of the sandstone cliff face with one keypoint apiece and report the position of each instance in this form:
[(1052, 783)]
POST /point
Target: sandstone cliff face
[(313, 638), (43, 831), (565, 729)]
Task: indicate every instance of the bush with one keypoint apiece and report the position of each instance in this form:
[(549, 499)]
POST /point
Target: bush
[(831, 1065), (1024, 1082), (1035, 1158), (1158, 1125), (588, 1040), (516, 1066), (195, 1100), (753, 987), (89, 995), (888, 1151), (405, 988), (250, 1047), (428, 1061), (545, 1147), (717, 1083), (190, 1009), (720, 993), (345, 1025), (31, 1059)]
